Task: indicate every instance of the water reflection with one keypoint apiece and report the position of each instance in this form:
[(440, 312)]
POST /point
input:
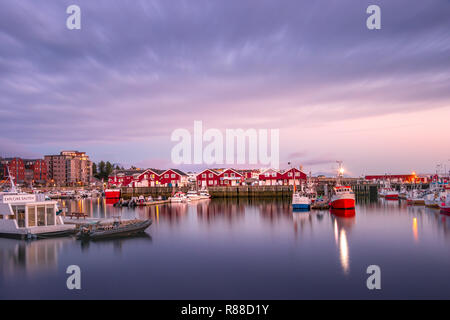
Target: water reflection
[(30, 258), (343, 223), (226, 243)]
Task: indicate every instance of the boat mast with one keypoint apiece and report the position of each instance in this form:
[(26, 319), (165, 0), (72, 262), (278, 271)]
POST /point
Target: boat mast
[(11, 179), (340, 172)]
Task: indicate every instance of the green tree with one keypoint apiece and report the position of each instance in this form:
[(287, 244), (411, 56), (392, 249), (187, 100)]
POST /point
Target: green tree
[(108, 169)]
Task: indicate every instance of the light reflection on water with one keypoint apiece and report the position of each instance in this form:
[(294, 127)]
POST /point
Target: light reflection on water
[(244, 248)]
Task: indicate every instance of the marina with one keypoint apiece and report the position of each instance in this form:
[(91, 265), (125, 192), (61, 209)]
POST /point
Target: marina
[(241, 249)]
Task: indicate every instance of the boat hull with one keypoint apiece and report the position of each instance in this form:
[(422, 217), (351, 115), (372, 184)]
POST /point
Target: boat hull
[(117, 233), (445, 210), (301, 206), (343, 204), (391, 197)]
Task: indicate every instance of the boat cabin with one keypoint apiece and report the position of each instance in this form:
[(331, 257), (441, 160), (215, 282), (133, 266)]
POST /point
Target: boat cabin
[(24, 214)]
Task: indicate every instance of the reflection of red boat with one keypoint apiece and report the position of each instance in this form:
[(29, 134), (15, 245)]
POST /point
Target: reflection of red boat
[(343, 212), (111, 201)]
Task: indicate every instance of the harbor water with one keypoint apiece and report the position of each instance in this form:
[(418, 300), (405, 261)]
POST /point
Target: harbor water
[(240, 249)]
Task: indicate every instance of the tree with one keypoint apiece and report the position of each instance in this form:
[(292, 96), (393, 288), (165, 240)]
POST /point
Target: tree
[(108, 169)]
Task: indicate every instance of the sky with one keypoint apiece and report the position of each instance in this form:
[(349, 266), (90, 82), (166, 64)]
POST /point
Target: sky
[(379, 100)]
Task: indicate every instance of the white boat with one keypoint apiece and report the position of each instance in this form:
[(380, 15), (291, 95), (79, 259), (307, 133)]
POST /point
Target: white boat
[(445, 206), (403, 192), (387, 192), (204, 194), (193, 195), (29, 216), (178, 197), (300, 201), (415, 196)]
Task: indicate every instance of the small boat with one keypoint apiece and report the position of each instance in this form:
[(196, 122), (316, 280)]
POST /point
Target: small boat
[(141, 201), (388, 192), (445, 206), (204, 194), (343, 197), (178, 197), (321, 204), (118, 229), (432, 199), (300, 202), (403, 192), (192, 195), (415, 196)]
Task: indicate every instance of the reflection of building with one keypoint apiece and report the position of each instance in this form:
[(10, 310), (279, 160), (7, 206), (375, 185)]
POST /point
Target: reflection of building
[(220, 209), (32, 256), (69, 168)]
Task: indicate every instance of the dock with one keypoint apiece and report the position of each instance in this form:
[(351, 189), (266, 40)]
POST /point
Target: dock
[(157, 202)]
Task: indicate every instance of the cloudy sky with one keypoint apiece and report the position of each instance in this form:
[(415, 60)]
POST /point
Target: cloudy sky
[(137, 70)]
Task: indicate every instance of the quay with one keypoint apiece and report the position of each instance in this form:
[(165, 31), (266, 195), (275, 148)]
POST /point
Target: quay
[(274, 191)]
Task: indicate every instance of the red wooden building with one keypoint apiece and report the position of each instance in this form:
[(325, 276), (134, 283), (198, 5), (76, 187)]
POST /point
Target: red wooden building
[(231, 177), (208, 177), (286, 177), (173, 178)]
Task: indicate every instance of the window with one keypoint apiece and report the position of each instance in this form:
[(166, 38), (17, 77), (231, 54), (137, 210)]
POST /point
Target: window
[(50, 216), (19, 215), (210, 175), (204, 175), (173, 175), (274, 174), (290, 174), (225, 174), (32, 216), (166, 175), (232, 174), (267, 174), (297, 174), (41, 215)]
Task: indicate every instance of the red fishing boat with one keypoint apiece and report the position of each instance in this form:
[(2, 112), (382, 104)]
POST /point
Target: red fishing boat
[(343, 196)]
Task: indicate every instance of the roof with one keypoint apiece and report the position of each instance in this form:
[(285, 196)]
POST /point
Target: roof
[(212, 170), (239, 173), (181, 173)]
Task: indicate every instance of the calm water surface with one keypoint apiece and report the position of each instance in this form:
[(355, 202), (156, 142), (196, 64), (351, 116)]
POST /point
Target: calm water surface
[(241, 249)]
